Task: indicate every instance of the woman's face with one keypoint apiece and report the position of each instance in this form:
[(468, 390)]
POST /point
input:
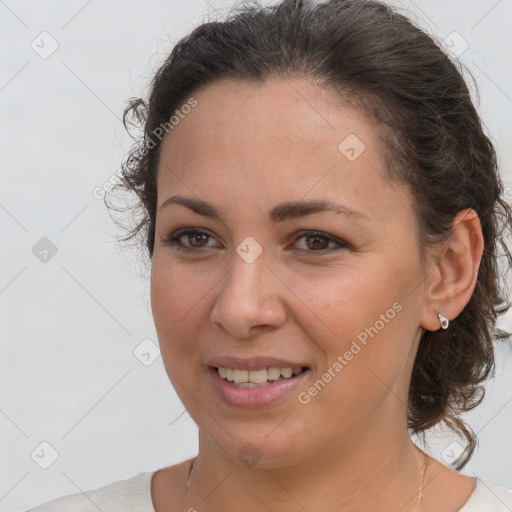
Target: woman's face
[(274, 279)]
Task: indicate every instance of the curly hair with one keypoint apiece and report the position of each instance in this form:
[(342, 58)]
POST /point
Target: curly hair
[(431, 136)]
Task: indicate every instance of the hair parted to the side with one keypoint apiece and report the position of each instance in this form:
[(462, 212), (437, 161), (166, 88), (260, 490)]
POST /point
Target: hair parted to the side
[(430, 132)]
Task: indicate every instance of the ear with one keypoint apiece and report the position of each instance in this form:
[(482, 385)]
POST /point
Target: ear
[(452, 277)]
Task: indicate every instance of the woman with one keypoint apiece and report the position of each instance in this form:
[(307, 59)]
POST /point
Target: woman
[(322, 212)]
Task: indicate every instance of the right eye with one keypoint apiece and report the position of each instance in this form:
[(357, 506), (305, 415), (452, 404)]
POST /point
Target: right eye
[(197, 239)]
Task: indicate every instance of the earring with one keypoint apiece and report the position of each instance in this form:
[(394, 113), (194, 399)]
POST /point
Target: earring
[(443, 320)]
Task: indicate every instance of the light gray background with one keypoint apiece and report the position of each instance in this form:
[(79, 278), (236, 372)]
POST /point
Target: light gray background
[(68, 374)]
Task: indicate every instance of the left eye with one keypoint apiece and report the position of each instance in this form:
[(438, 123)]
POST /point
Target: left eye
[(318, 242)]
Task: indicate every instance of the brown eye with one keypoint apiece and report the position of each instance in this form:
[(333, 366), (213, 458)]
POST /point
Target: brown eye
[(317, 242), (188, 240), (200, 238)]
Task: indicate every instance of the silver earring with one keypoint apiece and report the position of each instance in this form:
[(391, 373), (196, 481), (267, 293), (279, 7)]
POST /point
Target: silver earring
[(444, 321)]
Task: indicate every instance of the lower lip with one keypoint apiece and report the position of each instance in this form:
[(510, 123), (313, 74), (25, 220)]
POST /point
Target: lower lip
[(254, 397)]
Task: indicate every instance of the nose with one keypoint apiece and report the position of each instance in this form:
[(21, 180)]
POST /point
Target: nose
[(249, 300)]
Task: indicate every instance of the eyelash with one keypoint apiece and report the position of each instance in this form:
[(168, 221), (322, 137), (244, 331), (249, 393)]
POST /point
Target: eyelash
[(174, 241)]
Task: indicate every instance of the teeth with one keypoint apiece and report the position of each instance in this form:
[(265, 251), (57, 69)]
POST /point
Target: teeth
[(240, 375), (273, 373), (286, 372), (257, 376)]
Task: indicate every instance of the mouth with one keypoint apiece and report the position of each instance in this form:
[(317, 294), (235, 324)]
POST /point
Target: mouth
[(256, 385), (241, 378)]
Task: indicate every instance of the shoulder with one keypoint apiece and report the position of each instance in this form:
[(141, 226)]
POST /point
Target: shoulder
[(133, 494), (168, 485), (488, 497)]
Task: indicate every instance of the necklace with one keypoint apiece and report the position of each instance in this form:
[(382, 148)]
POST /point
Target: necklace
[(187, 485), (420, 492), (424, 470), (190, 471)]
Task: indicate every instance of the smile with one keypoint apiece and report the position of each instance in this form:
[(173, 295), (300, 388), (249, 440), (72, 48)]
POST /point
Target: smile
[(257, 378), (256, 388)]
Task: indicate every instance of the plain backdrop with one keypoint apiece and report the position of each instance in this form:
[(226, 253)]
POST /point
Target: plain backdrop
[(84, 397)]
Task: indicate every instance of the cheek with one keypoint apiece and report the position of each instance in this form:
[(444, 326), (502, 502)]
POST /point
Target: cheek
[(360, 316), (178, 294), (177, 303), (347, 300)]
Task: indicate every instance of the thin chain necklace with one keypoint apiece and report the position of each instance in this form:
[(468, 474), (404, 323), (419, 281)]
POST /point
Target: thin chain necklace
[(420, 493), (187, 484)]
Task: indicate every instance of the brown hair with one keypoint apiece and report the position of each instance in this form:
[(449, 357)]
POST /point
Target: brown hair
[(432, 137)]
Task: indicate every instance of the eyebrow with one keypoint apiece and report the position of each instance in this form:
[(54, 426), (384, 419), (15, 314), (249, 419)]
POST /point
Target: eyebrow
[(280, 213)]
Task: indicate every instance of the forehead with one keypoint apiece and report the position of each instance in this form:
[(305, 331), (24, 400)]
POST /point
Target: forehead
[(233, 113), (283, 139)]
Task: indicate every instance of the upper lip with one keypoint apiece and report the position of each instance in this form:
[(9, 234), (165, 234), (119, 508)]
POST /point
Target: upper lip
[(253, 363)]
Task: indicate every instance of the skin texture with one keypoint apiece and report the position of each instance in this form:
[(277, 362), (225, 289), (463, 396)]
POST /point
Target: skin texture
[(246, 148)]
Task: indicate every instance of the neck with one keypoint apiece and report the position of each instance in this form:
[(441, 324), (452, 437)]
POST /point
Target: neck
[(353, 476)]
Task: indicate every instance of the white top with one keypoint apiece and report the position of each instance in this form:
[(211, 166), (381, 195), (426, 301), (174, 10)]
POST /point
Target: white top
[(134, 495)]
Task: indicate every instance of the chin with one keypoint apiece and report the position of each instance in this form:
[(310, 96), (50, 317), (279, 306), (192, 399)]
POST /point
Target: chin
[(255, 448)]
